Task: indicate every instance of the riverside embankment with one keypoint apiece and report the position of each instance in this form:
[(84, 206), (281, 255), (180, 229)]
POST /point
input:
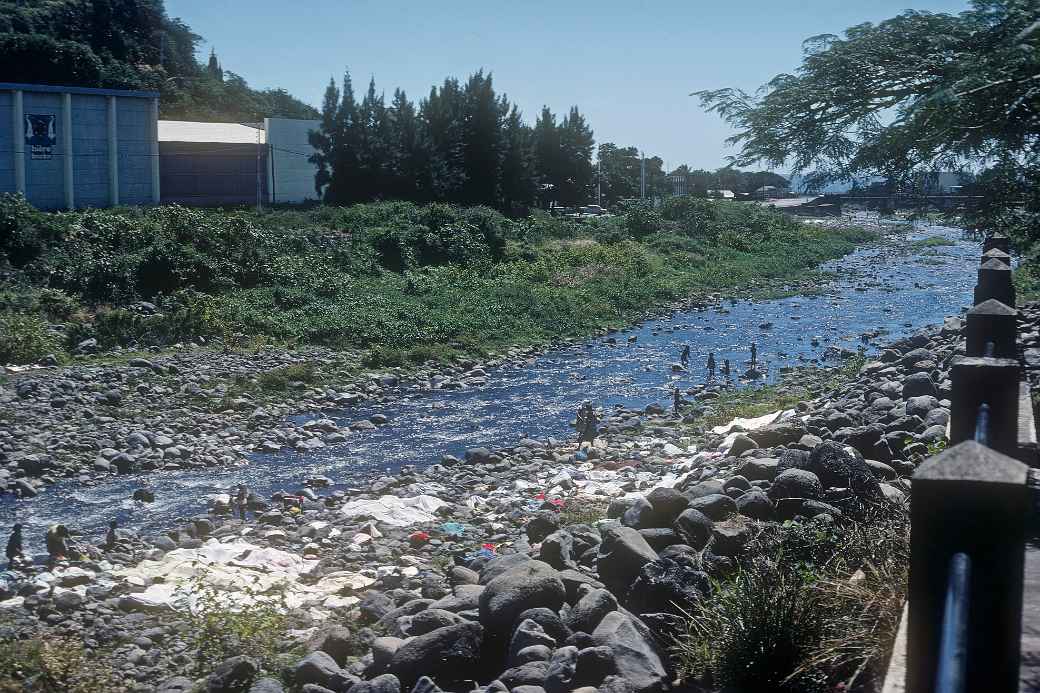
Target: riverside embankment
[(429, 572), (190, 433)]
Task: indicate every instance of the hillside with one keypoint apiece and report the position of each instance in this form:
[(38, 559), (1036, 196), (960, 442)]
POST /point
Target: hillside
[(129, 44)]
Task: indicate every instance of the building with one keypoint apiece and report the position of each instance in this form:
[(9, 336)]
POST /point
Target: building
[(73, 147), (218, 164)]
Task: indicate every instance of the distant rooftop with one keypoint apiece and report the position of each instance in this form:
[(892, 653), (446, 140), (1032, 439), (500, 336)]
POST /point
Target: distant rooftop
[(226, 133)]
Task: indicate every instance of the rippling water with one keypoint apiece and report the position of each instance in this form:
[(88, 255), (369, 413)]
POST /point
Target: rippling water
[(887, 288)]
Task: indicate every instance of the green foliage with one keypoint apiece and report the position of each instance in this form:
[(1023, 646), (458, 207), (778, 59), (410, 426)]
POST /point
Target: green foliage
[(248, 623), (583, 510), (930, 242), (281, 378), (131, 44), (55, 665), (410, 283), (26, 339)]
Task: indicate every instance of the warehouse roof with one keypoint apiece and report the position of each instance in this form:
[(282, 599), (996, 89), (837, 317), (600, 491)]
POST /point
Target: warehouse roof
[(53, 89), (226, 133)]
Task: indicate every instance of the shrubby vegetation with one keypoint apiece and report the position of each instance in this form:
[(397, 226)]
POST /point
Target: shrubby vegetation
[(408, 282)]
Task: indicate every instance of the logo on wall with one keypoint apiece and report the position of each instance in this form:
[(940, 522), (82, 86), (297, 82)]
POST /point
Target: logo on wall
[(40, 135)]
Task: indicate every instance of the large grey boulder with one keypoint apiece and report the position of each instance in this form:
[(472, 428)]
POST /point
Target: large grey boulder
[(317, 667), (446, 654), (918, 384), (590, 610), (526, 586), (621, 555), (715, 506), (385, 683), (695, 528), (637, 659), (796, 483)]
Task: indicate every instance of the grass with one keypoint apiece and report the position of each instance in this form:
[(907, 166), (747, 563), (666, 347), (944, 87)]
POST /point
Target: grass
[(819, 609), (930, 242), (406, 284), (583, 510), (55, 665)]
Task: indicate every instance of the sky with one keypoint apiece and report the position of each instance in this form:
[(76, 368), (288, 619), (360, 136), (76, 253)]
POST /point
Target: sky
[(629, 66)]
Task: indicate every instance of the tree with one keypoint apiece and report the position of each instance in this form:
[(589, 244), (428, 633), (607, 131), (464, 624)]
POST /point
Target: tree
[(920, 92), (213, 67), (519, 183), (576, 177)]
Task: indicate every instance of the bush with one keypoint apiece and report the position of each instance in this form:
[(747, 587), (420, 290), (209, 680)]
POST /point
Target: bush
[(641, 220), (54, 665), (26, 339)]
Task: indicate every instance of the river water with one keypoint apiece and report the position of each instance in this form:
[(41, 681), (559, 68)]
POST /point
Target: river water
[(892, 288)]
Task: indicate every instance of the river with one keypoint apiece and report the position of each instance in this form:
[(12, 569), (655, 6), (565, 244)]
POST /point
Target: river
[(893, 288)]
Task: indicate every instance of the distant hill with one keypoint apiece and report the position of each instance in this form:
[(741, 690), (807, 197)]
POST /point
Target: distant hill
[(129, 44)]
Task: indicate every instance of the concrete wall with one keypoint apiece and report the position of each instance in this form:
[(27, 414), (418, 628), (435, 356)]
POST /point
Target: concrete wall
[(88, 182), (290, 173)]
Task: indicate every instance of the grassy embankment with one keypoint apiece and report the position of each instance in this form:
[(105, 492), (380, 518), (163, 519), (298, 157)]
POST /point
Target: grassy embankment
[(407, 283)]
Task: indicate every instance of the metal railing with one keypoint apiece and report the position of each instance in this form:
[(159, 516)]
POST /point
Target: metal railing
[(970, 505)]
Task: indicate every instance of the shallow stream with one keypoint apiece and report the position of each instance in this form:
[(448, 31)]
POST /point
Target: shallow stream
[(893, 288)]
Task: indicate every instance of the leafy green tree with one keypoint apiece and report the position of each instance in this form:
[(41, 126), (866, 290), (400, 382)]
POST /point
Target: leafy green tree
[(920, 92)]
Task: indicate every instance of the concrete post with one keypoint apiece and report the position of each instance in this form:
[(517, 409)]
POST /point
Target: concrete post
[(18, 133), (156, 193), (975, 500), (978, 380), (66, 147), (996, 254), (113, 153), (992, 321), (995, 282), (270, 162), (998, 241)]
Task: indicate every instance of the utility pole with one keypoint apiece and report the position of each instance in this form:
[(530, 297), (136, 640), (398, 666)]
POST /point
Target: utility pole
[(259, 187), (642, 175), (599, 170)]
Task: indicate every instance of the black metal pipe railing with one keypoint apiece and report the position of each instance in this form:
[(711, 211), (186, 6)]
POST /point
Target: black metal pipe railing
[(953, 647), (982, 425)]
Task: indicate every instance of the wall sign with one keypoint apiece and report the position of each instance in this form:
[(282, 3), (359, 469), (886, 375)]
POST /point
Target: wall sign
[(40, 135)]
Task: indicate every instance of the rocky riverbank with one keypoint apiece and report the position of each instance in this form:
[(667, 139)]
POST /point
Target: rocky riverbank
[(532, 565)]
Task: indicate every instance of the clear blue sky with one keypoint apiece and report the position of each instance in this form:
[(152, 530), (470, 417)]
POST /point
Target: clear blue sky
[(629, 66)]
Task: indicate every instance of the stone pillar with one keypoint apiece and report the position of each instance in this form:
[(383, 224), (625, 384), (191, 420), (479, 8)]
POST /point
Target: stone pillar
[(996, 254), (998, 241), (995, 282), (113, 153), (18, 141), (156, 193), (66, 146), (978, 380), (974, 500), (992, 321)]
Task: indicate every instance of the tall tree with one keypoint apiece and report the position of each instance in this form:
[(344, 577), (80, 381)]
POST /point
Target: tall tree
[(483, 143), (576, 144), (916, 93), (519, 183)]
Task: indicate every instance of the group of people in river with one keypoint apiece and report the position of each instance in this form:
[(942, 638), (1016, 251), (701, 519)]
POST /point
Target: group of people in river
[(60, 546), (725, 370)]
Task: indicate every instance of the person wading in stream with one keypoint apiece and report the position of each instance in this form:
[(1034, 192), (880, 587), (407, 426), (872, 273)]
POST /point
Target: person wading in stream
[(711, 366), (754, 354), (242, 501), (677, 401), (684, 357), (15, 554), (586, 423), (725, 368)]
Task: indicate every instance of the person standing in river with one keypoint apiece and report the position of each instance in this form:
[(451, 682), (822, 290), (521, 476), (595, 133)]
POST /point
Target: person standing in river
[(15, 552), (725, 368), (677, 401), (586, 423), (754, 354), (711, 366), (242, 501), (684, 357), (111, 537)]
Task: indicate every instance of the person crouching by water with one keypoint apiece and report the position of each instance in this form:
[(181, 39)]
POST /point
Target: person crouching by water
[(15, 552), (57, 543), (586, 423)]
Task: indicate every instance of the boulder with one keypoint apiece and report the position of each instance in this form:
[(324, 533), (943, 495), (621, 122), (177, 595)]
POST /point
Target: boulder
[(756, 505), (562, 668), (621, 555), (528, 585), (796, 483), (918, 384), (544, 523), (637, 659), (317, 667), (758, 469), (667, 504), (385, 683), (590, 610), (447, 654), (695, 528), (784, 432), (667, 585), (741, 444), (837, 466), (715, 506), (233, 675)]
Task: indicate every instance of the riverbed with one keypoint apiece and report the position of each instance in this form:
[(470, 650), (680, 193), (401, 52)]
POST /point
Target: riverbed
[(889, 291)]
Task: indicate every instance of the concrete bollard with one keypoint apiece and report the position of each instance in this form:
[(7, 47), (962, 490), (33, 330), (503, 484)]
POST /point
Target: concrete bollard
[(974, 500), (978, 380), (995, 282), (998, 241), (992, 321)]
